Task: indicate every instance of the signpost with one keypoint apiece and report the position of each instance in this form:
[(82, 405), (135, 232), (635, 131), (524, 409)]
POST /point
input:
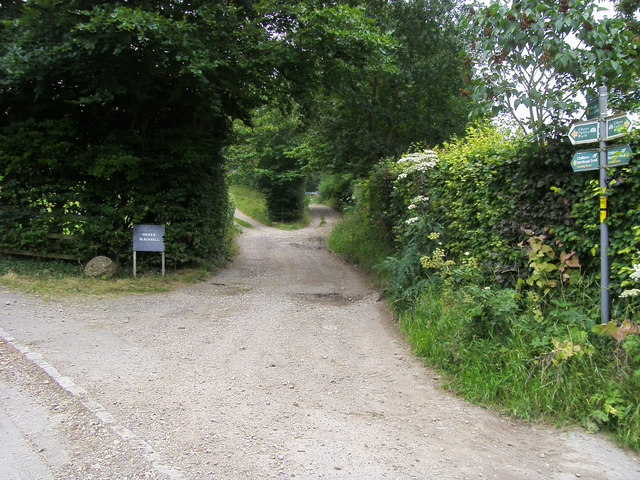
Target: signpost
[(593, 108), (618, 155), (618, 126), (587, 160), (148, 238), (584, 132), (602, 130)]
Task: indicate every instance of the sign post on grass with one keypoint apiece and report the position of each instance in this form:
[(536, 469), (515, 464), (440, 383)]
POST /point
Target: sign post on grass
[(601, 130), (148, 238)]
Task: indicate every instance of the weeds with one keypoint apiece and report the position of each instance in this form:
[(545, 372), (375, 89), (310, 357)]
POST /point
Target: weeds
[(532, 351), (360, 241)]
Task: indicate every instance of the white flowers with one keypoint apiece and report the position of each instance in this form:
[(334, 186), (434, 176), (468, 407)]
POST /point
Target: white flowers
[(635, 275), (416, 162), (420, 199), (411, 220), (634, 292)]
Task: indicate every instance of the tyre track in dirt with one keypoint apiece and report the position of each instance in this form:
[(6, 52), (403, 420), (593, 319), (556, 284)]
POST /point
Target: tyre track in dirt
[(284, 365)]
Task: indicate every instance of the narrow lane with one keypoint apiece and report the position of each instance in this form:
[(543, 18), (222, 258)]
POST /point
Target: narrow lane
[(286, 365)]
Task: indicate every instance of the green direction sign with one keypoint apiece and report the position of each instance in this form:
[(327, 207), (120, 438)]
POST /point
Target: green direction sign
[(590, 159), (583, 132), (618, 155), (617, 126), (584, 161), (593, 109)]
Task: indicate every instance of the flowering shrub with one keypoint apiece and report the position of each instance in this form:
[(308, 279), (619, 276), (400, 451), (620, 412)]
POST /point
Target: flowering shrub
[(500, 318), (418, 162), (635, 275)]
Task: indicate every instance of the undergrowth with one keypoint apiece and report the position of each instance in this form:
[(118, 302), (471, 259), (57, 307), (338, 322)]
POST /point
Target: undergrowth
[(362, 242), (532, 350)]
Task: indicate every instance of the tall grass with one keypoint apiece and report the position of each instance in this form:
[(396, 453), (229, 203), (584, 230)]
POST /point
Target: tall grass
[(359, 241), (600, 390), (250, 202)]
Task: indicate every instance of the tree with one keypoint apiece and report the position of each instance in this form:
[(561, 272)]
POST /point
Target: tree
[(629, 12), (379, 108), (533, 58), (115, 112), (262, 156)]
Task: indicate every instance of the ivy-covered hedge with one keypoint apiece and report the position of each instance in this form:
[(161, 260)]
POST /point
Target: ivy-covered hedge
[(485, 194), (494, 275), (114, 114), (51, 184)]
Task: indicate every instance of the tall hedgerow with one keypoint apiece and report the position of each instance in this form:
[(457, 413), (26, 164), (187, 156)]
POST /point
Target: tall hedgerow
[(494, 274)]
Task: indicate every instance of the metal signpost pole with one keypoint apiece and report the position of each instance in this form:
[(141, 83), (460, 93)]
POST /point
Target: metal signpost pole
[(604, 227), (602, 130)]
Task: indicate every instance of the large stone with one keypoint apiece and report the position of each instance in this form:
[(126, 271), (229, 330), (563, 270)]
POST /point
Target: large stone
[(100, 267)]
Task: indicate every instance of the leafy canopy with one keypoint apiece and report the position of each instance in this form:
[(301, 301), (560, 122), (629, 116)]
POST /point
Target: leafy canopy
[(534, 57)]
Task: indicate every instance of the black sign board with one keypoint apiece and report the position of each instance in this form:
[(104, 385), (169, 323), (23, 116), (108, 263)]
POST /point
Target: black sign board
[(148, 238)]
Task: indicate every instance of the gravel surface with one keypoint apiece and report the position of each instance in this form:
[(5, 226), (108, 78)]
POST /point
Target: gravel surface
[(284, 365)]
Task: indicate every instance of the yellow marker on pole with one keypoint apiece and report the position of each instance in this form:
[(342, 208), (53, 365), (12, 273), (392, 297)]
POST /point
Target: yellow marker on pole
[(603, 208)]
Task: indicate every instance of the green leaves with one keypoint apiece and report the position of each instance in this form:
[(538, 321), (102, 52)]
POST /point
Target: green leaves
[(117, 113), (538, 58)]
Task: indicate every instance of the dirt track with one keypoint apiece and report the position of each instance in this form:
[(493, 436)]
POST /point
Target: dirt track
[(285, 365)]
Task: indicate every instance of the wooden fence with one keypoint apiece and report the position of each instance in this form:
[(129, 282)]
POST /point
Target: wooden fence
[(61, 254)]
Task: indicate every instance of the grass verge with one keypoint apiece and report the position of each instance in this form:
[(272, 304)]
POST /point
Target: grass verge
[(359, 241), (252, 203), (242, 223), (54, 278), (508, 349), (565, 378)]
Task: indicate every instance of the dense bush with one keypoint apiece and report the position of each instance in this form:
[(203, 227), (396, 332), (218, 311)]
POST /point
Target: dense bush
[(336, 190), (263, 156), (494, 273), (97, 193), (113, 115), (486, 194)]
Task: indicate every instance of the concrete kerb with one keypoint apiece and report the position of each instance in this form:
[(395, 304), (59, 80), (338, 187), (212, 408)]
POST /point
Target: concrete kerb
[(68, 385)]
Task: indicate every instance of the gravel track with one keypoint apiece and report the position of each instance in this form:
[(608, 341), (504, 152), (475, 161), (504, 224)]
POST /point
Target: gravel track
[(284, 365)]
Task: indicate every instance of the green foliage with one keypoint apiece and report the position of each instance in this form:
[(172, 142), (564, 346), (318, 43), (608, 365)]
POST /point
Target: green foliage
[(336, 190), (481, 338), (361, 241), (535, 56), (262, 156), (495, 280), (486, 194), (253, 203), (115, 114), (408, 88)]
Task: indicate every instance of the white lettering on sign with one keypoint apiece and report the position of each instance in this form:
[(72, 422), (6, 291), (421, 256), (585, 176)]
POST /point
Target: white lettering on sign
[(148, 238)]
